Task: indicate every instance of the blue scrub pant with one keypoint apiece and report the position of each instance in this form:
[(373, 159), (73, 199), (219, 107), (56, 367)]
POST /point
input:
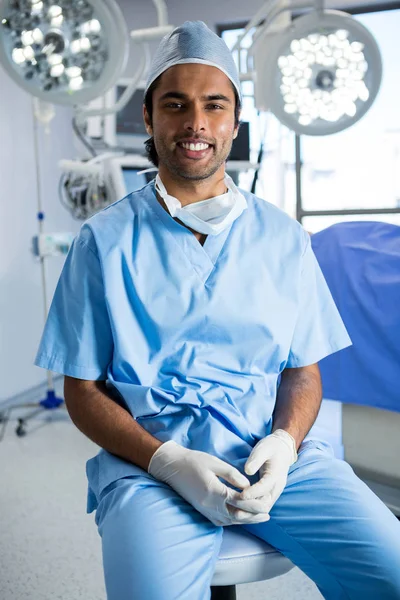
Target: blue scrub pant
[(156, 546)]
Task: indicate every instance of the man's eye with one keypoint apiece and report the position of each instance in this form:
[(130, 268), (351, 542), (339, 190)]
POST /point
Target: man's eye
[(215, 106), (174, 105)]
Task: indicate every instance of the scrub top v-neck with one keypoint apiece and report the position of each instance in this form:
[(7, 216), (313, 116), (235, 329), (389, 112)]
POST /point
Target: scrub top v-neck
[(203, 257), (191, 339)]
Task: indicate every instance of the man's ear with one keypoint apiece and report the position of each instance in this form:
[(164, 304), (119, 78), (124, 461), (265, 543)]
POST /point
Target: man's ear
[(147, 121), (236, 130)]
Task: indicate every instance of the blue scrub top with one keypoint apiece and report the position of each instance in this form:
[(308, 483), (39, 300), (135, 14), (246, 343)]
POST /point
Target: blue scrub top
[(191, 338)]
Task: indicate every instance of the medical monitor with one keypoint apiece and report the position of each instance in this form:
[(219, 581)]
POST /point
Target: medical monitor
[(241, 144), (124, 129), (130, 131)]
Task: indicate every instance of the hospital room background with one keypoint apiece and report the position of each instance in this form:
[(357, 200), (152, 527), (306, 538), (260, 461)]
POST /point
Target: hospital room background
[(68, 155)]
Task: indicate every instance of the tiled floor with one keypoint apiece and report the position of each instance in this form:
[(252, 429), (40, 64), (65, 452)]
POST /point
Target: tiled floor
[(49, 546)]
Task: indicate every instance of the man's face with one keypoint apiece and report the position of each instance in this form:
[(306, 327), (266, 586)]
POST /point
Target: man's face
[(193, 123)]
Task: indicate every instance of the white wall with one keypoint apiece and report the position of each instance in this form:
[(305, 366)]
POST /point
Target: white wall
[(21, 304)]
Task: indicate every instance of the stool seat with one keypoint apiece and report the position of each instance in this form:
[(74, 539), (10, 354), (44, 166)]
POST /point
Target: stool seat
[(244, 558)]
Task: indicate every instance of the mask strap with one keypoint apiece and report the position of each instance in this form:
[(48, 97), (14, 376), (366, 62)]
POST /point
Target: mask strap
[(171, 202), (160, 186)]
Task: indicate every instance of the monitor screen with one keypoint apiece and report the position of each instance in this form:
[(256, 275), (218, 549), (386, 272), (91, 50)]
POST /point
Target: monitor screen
[(241, 145), (130, 118), (133, 181), (130, 130)]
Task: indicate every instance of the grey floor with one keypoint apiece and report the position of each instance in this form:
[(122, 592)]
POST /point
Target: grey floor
[(49, 546)]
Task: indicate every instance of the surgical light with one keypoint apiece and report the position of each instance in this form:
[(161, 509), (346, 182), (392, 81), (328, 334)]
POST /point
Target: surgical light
[(319, 74), (63, 52)]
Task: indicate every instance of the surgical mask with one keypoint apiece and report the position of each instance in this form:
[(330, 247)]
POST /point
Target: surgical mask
[(210, 216)]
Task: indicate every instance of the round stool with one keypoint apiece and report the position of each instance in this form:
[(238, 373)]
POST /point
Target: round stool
[(244, 558)]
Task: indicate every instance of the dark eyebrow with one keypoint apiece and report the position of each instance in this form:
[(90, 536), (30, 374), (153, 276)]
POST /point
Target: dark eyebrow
[(217, 97), (182, 96)]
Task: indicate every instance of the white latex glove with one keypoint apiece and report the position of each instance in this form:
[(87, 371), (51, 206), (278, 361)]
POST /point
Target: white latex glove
[(273, 456), (194, 475)]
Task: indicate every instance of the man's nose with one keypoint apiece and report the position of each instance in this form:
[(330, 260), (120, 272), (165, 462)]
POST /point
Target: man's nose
[(195, 120)]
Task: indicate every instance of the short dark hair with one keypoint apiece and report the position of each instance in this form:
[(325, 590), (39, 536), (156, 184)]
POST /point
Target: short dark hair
[(148, 103)]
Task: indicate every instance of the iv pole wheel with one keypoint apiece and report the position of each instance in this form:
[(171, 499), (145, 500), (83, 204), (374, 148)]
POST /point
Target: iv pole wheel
[(20, 429)]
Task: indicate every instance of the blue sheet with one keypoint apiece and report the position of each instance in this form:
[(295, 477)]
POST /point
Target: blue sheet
[(361, 264)]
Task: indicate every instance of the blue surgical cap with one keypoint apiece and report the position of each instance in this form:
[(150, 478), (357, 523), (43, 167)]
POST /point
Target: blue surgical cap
[(193, 42)]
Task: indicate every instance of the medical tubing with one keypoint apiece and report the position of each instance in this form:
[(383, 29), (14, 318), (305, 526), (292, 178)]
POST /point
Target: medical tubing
[(69, 204), (62, 191), (82, 137), (65, 197)]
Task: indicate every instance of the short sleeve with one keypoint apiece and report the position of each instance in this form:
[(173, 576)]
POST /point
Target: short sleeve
[(77, 340), (319, 329)]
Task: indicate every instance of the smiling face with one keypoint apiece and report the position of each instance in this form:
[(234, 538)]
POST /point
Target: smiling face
[(193, 121)]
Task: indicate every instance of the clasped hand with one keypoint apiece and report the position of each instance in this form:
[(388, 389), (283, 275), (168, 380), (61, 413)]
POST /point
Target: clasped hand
[(195, 476), (273, 457)]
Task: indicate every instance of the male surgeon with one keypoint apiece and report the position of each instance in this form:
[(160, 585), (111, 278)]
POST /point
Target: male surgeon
[(188, 321)]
